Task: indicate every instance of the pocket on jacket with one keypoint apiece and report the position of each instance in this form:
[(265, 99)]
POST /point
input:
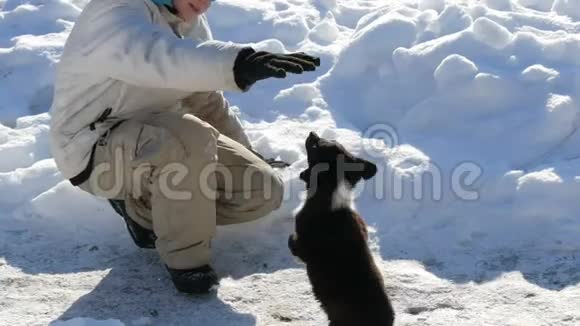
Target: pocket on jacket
[(157, 146)]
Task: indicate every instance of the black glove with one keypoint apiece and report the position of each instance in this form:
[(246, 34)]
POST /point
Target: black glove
[(251, 66)]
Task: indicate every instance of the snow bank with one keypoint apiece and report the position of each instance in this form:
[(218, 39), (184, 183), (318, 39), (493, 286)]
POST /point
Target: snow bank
[(455, 69), (490, 93), (570, 8), (25, 144), (32, 35)]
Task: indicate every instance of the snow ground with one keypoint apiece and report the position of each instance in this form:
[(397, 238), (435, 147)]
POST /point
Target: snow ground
[(475, 212)]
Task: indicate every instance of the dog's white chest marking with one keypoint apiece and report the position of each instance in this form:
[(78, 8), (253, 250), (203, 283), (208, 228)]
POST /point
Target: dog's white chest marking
[(342, 197)]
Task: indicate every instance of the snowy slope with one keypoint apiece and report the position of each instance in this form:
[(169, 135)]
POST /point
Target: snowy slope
[(470, 108)]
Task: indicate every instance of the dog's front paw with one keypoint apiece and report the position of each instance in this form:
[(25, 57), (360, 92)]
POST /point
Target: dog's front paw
[(292, 245), (294, 248)]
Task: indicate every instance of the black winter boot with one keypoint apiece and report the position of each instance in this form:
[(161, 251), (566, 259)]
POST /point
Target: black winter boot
[(199, 280), (142, 237)]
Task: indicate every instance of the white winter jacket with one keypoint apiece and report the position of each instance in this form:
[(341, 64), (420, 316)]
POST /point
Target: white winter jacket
[(134, 57)]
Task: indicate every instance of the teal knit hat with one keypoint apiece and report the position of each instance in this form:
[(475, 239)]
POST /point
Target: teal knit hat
[(168, 3)]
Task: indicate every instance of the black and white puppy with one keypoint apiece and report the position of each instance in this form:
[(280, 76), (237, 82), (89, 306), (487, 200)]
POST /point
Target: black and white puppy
[(331, 239)]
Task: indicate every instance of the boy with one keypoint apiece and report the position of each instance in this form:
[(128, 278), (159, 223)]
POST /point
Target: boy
[(138, 117)]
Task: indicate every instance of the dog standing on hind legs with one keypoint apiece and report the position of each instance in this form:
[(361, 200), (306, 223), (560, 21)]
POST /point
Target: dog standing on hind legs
[(331, 239)]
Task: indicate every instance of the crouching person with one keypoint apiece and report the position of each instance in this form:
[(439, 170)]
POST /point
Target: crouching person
[(139, 118)]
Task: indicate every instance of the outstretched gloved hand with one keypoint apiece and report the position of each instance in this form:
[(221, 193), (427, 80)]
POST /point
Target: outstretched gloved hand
[(251, 66)]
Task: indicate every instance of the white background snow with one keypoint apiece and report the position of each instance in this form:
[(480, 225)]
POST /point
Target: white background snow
[(490, 88)]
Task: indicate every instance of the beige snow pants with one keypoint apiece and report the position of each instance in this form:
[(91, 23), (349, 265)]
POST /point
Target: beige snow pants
[(180, 177)]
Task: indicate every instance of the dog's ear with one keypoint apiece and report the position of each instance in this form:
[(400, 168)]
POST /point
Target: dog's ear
[(297, 249), (305, 175), (365, 170), (370, 169)]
